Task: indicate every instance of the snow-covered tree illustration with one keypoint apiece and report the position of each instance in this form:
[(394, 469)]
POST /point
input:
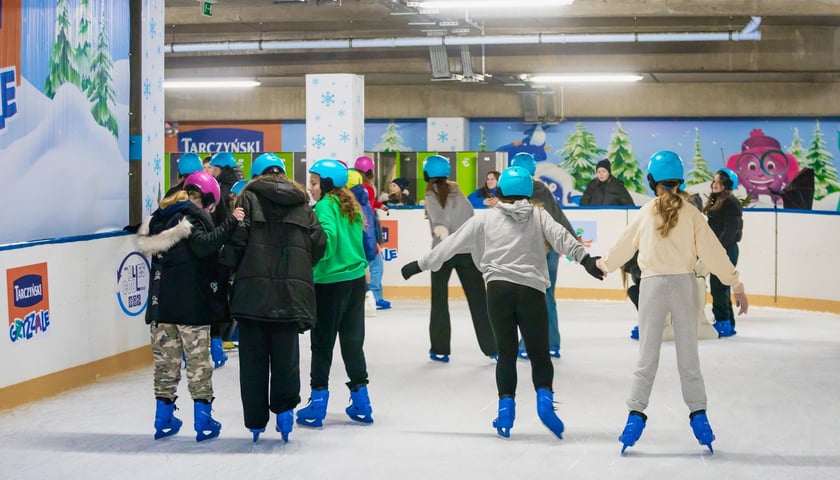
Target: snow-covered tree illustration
[(84, 45), (624, 166), (482, 145), (391, 140), (62, 66), (579, 156), (822, 161), (101, 91), (701, 172), (797, 150)]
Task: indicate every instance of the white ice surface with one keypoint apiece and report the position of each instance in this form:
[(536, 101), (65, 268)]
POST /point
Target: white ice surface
[(773, 403)]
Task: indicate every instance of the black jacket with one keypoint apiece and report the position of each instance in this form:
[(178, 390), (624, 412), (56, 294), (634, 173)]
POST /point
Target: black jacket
[(602, 194), (726, 221), (184, 287), (272, 254), (543, 195)]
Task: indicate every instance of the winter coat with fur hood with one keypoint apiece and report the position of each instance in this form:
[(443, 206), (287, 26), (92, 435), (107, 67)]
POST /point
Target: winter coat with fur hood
[(183, 247)]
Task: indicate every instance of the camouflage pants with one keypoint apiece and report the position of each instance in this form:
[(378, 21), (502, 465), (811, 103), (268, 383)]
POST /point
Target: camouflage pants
[(169, 343)]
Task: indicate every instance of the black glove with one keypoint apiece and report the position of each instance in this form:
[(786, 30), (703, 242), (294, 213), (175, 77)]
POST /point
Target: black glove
[(588, 263), (410, 269)]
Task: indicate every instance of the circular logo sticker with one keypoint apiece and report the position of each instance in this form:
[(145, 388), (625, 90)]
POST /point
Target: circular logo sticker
[(133, 284)]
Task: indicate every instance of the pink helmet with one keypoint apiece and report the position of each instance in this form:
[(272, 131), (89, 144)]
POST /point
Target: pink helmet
[(206, 185), (364, 164)]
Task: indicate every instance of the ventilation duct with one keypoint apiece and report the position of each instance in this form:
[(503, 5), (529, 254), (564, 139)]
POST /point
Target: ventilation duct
[(466, 62), (440, 62)]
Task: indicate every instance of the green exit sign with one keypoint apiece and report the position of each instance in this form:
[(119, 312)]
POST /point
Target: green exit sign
[(207, 9)]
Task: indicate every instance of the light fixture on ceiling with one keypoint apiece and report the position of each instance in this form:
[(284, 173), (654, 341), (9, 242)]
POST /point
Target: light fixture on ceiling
[(586, 78), (486, 4), (210, 84)]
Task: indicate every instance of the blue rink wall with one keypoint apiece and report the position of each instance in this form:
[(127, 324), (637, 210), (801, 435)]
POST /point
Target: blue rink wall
[(74, 307)]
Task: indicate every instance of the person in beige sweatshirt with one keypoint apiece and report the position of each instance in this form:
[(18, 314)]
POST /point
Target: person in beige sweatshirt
[(670, 235)]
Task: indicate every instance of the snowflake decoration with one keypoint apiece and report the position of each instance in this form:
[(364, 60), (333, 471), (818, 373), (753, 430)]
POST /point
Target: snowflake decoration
[(356, 141), (160, 83), (341, 113), (316, 81), (327, 98), (149, 138), (317, 118), (442, 137), (333, 155), (158, 49), (318, 141), (344, 137), (148, 203), (152, 28), (154, 108), (147, 89)]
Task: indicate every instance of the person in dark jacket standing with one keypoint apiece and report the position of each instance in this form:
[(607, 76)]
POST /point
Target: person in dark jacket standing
[(543, 196), (183, 298), (605, 190), (272, 253), (188, 163), (340, 294), (725, 218), (448, 209)]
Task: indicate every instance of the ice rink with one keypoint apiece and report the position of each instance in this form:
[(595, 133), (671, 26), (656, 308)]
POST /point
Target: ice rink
[(773, 403)]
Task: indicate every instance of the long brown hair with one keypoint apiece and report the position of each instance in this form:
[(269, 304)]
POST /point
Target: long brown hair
[(441, 188), (667, 205), (175, 197), (347, 204)]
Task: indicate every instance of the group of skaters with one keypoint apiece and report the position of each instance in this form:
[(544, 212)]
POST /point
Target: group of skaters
[(299, 268)]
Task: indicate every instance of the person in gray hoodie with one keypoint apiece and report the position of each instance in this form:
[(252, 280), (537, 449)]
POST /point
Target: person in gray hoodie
[(447, 209), (508, 245)]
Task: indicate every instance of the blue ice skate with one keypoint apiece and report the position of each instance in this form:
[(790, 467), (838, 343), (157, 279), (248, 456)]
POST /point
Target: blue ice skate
[(545, 410), (724, 328), (507, 413), (633, 430), (166, 423), (360, 409), (313, 414), (443, 358), (702, 429), (206, 427), (217, 352), (256, 433), (634, 334), (285, 421)]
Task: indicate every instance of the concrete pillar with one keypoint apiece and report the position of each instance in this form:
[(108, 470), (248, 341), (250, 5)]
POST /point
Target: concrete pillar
[(447, 134), (150, 89), (335, 117)]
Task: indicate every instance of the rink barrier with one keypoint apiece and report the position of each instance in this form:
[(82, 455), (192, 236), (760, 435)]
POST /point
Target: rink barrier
[(78, 312)]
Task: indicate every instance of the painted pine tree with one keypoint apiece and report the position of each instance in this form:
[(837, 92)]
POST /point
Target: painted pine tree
[(391, 140), (101, 90), (701, 172), (624, 165), (797, 150), (84, 45), (62, 66), (482, 145), (579, 156), (821, 160)]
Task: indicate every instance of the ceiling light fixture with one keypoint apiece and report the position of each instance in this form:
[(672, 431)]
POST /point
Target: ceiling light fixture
[(210, 84), (486, 4), (586, 78)]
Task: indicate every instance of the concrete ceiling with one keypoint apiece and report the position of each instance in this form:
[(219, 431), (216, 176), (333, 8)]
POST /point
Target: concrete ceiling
[(794, 48)]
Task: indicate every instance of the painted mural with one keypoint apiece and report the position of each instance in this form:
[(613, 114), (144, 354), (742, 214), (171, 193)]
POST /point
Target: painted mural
[(63, 117)]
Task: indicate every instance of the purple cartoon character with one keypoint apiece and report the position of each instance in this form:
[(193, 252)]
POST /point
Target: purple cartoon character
[(762, 167)]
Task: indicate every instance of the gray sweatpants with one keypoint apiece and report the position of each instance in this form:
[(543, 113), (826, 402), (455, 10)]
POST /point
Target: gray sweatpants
[(659, 295)]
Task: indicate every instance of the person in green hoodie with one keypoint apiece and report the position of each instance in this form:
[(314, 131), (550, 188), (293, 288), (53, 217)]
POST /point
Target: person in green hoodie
[(340, 288)]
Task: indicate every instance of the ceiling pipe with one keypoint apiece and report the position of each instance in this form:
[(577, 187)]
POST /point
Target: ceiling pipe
[(748, 33)]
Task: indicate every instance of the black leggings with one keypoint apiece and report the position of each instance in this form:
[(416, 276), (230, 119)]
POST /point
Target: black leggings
[(512, 305), (440, 327)]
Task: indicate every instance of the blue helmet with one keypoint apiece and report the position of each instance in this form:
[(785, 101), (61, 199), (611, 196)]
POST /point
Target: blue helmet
[(664, 165), (732, 178), (189, 163), (266, 161), (237, 187), (436, 166), (329, 169), (223, 159), (526, 161), (516, 181)]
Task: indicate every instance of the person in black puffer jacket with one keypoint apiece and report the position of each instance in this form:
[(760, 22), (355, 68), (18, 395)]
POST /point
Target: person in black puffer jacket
[(184, 298), (273, 296), (605, 190), (725, 218)]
